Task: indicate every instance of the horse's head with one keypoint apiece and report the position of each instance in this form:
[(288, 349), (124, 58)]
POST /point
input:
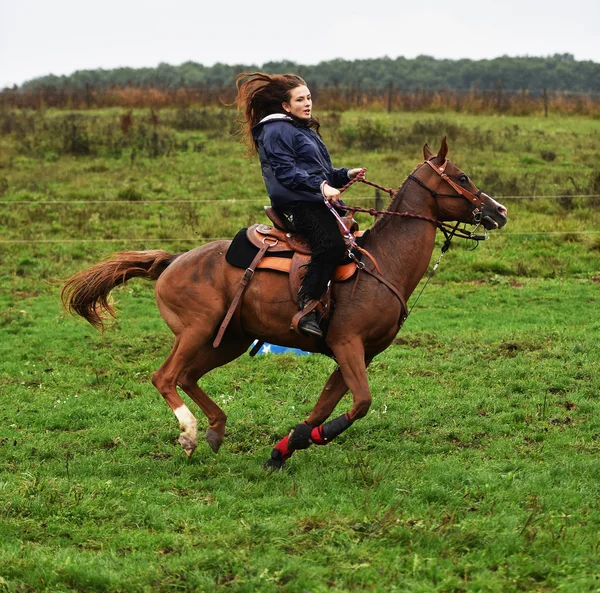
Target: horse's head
[(456, 196)]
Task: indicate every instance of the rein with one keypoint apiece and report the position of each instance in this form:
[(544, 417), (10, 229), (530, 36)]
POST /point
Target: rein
[(449, 230)]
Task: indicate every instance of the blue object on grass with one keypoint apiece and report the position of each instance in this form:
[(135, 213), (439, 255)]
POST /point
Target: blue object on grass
[(267, 348)]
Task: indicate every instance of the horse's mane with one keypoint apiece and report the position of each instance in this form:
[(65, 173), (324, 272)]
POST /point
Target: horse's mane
[(394, 206)]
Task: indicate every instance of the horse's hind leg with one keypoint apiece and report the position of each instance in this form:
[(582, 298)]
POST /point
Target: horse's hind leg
[(165, 380), (207, 359)]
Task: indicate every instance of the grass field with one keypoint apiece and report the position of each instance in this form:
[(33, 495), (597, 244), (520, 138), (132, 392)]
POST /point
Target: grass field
[(476, 468)]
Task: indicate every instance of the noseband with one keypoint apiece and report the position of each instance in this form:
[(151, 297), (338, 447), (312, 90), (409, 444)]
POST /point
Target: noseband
[(473, 198)]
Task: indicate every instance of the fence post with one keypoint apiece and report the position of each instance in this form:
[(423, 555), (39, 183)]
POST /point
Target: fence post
[(88, 95), (545, 102), (378, 200), (390, 91)]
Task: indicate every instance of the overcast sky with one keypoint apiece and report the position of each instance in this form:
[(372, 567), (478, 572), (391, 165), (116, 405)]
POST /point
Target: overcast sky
[(39, 37)]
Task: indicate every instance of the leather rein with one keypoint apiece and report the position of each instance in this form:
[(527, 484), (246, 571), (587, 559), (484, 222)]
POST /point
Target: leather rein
[(448, 229)]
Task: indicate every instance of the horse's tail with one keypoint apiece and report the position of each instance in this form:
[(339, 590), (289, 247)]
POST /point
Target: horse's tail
[(87, 292)]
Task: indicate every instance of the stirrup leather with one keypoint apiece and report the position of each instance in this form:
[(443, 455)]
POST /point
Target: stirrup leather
[(308, 308)]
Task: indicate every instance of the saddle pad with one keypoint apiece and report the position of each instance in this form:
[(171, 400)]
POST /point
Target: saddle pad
[(241, 252)]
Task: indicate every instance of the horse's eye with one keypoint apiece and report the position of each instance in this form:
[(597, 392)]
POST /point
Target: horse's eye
[(463, 179)]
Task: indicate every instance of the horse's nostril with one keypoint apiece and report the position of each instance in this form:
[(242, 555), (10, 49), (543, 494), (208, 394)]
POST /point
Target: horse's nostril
[(502, 210)]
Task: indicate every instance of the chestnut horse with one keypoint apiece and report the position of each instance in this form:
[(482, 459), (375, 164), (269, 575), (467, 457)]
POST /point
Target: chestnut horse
[(195, 289)]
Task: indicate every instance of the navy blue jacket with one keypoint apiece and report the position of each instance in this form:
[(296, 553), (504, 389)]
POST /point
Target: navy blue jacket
[(294, 162)]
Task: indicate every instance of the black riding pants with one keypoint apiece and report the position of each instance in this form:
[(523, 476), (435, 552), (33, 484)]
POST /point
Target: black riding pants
[(317, 224)]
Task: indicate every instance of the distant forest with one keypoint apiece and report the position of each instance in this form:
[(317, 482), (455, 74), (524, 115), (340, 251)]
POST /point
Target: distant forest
[(560, 72)]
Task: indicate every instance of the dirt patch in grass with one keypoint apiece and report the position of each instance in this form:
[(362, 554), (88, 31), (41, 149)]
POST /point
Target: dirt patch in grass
[(428, 341)]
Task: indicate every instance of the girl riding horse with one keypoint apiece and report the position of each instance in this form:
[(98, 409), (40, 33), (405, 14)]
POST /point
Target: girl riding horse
[(296, 167)]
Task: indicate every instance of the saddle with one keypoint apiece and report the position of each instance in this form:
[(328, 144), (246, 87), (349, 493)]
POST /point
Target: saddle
[(281, 238), (282, 225)]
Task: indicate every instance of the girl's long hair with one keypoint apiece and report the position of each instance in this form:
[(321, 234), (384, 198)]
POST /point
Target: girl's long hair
[(259, 95)]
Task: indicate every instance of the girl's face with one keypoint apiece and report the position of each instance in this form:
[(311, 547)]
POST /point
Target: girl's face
[(300, 104)]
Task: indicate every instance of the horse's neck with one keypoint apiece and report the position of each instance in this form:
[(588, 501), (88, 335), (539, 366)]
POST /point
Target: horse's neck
[(403, 246)]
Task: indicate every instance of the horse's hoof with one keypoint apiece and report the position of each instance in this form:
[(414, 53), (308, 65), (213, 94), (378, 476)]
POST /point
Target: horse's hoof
[(276, 462), (187, 444), (214, 440)]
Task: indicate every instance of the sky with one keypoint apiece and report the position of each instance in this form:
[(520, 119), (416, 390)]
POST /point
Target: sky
[(40, 37)]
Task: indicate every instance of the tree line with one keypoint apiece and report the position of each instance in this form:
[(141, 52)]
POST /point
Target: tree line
[(560, 72)]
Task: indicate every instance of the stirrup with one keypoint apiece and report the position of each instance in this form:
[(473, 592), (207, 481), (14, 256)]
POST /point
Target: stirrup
[(305, 321), (308, 325)]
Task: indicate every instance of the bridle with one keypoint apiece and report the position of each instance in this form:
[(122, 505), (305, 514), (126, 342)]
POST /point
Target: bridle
[(473, 198)]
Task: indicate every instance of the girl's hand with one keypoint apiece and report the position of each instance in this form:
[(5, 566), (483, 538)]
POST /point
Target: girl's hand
[(331, 194), (356, 172)]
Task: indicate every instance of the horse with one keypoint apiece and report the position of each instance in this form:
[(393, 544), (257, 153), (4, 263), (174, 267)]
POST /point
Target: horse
[(194, 290)]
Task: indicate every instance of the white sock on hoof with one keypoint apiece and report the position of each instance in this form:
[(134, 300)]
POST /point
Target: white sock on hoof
[(186, 418)]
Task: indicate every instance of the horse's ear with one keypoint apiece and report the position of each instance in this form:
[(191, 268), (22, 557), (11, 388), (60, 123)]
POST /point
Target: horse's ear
[(427, 154), (443, 150)]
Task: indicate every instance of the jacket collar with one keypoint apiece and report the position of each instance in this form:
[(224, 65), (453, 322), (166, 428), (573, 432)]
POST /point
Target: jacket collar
[(274, 116), (270, 119)]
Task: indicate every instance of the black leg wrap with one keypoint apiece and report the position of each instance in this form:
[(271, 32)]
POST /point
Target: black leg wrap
[(335, 427), (300, 437), (276, 462)]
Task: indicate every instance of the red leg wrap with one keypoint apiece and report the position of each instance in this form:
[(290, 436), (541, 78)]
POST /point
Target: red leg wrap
[(282, 447), (316, 436), (321, 435)]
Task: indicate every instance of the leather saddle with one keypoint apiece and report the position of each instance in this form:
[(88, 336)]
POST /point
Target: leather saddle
[(269, 239), (280, 238)]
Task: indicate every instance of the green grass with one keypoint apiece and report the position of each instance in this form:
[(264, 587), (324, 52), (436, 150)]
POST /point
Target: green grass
[(476, 468)]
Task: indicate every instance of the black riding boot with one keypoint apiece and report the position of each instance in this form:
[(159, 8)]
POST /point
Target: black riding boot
[(309, 322)]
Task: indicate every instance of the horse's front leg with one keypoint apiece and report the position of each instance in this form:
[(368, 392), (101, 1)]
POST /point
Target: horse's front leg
[(353, 366), (332, 393), (313, 431)]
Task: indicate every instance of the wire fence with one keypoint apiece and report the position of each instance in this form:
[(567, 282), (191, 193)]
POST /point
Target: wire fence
[(197, 240), (250, 200)]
